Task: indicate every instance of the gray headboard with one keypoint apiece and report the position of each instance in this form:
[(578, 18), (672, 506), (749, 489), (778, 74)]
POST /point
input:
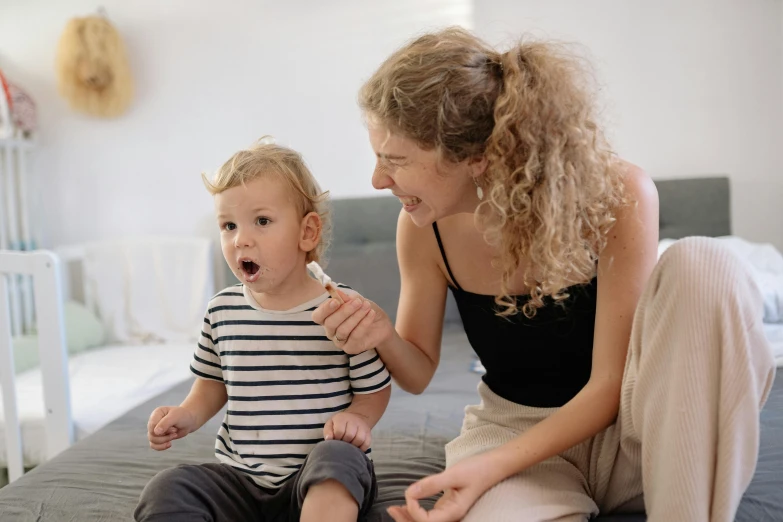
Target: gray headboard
[(363, 253), (694, 207)]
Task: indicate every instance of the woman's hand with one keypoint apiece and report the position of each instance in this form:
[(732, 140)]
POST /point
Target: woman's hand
[(462, 485), (355, 326)]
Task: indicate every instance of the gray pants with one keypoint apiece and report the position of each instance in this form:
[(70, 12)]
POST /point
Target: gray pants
[(217, 492)]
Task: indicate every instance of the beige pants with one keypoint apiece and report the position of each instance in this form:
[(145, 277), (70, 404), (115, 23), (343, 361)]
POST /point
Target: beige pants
[(686, 439)]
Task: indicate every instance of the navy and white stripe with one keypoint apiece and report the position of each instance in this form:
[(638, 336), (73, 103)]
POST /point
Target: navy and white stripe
[(284, 380)]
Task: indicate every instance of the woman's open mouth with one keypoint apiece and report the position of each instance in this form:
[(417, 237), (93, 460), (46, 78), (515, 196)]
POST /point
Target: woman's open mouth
[(409, 203)]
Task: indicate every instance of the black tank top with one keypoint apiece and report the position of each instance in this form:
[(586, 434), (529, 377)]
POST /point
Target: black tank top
[(541, 362)]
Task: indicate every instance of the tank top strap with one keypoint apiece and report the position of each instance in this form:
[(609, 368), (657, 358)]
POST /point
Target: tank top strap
[(443, 254)]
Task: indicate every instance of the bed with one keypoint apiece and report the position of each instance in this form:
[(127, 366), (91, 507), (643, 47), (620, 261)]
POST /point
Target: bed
[(99, 385), (100, 478), (104, 369)]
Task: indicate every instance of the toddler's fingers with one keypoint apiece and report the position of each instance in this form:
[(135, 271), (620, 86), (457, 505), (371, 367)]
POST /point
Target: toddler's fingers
[(359, 438), (167, 422), (157, 414), (351, 429), (160, 446), (367, 442), (162, 439), (338, 429), (329, 430)]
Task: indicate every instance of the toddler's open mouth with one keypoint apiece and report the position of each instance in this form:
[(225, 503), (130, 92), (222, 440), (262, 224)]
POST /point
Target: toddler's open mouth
[(250, 269)]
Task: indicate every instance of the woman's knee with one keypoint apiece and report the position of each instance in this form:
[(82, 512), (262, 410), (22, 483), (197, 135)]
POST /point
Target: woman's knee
[(700, 258), (704, 268)]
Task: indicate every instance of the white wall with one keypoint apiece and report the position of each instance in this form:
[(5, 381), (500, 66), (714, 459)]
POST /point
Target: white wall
[(692, 87), (210, 77)]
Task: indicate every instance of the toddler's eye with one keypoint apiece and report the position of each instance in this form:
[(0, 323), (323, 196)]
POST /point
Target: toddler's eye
[(262, 221)]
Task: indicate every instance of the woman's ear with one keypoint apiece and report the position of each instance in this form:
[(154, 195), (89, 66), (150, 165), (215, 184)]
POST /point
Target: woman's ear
[(310, 232), (477, 165)]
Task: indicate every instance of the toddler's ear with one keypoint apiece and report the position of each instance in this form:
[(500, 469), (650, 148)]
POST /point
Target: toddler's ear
[(310, 232)]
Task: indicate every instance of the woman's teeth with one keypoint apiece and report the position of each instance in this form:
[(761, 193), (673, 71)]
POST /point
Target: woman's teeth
[(410, 201)]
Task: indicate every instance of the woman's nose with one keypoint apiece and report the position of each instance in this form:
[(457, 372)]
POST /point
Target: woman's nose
[(381, 181)]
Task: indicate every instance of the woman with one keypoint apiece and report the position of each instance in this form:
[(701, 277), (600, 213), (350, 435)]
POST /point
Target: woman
[(611, 379)]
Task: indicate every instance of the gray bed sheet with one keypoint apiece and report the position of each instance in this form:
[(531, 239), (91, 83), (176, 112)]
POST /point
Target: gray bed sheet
[(100, 478)]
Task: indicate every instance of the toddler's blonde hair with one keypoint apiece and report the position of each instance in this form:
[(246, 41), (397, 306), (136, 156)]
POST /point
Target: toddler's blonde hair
[(266, 158)]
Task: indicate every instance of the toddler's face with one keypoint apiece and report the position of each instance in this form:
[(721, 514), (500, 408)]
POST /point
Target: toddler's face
[(260, 229)]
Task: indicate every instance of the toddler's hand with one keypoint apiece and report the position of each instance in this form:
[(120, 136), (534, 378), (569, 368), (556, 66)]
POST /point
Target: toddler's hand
[(168, 423), (349, 427)]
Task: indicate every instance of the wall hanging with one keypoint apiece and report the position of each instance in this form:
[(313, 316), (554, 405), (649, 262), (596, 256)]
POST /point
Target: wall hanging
[(92, 67)]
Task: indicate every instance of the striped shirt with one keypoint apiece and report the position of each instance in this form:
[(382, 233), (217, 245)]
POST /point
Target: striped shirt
[(284, 381)]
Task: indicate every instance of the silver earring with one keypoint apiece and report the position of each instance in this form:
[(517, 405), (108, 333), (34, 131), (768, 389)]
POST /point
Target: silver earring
[(479, 190)]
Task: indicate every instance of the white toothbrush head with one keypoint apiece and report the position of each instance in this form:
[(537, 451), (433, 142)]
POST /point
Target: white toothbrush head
[(319, 273), (324, 279)]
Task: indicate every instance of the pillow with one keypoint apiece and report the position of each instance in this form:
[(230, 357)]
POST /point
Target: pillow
[(82, 331), (25, 352)]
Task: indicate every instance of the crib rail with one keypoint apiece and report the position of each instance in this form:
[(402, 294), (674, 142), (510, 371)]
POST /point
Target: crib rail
[(44, 268)]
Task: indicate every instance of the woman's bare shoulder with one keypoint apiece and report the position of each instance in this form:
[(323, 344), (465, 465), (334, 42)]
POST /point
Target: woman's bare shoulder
[(639, 186)]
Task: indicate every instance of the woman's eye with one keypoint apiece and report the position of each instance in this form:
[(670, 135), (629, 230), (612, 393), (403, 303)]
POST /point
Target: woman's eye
[(262, 221)]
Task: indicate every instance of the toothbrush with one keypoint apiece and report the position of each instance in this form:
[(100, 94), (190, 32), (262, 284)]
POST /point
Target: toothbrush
[(325, 280)]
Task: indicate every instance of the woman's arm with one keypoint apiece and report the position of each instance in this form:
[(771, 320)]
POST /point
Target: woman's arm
[(411, 352), (623, 270), (624, 267)]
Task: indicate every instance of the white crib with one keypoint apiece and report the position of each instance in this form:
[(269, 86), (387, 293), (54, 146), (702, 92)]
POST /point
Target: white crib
[(43, 268)]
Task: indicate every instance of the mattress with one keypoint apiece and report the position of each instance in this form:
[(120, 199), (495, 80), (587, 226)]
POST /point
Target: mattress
[(105, 383), (101, 477)]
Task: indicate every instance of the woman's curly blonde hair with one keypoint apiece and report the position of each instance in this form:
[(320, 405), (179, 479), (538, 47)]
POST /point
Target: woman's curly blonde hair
[(552, 184)]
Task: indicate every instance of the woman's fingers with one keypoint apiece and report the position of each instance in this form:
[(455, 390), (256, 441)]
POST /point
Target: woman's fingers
[(324, 310), (399, 514), (345, 297), (361, 338), (338, 316), (361, 309), (330, 306)]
